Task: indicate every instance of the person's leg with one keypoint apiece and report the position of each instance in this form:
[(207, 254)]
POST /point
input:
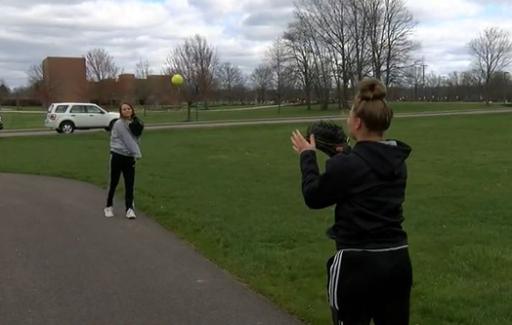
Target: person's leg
[(348, 291), (129, 181), (115, 173), (394, 310), (393, 295)]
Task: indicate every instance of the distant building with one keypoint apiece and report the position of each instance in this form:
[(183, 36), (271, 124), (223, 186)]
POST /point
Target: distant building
[(127, 88), (65, 80)]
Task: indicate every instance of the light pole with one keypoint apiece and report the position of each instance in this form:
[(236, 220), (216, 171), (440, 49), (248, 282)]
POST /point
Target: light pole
[(505, 79)]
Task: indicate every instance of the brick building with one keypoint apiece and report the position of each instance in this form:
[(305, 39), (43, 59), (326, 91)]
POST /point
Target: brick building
[(65, 80)]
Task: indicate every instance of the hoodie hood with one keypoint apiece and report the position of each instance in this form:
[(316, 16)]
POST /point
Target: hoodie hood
[(385, 158)]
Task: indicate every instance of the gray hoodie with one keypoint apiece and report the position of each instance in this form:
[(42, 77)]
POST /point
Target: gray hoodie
[(122, 141)]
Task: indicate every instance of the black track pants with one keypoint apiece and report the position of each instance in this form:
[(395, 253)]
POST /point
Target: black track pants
[(370, 284), (125, 165)]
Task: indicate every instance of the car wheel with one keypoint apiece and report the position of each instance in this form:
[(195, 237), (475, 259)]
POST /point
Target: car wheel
[(67, 127), (58, 130)]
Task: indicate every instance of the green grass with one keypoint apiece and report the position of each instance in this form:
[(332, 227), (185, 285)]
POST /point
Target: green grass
[(408, 107), (14, 121), (36, 120), (234, 193)]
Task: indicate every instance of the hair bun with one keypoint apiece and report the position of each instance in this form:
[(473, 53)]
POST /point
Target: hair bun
[(372, 89)]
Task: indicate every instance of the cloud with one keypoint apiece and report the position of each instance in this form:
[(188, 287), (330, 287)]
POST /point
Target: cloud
[(274, 17), (439, 10), (240, 30), (257, 5), (128, 30), (445, 44), (445, 28), (505, 2), (134, 29)]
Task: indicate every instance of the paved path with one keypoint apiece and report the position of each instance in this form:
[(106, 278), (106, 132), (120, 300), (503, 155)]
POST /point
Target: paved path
[(284, 120), (63, 262)]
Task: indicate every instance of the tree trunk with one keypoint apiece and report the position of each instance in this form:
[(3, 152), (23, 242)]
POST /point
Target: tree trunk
[(339, 94), (308, 95)]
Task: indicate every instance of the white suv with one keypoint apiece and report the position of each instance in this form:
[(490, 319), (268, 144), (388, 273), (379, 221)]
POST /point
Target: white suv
[(66, 117)]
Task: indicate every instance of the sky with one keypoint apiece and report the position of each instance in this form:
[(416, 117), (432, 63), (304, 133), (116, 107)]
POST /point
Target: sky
[(240, 30)]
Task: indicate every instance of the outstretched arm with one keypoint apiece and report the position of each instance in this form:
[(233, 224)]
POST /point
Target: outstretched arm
[(318, 190)]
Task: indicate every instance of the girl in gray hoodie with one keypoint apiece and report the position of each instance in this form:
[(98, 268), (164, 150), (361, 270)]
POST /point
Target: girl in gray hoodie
[(124, 150)]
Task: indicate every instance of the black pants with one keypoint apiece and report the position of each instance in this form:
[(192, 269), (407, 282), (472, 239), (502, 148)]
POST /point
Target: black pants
[(364, 285), (125, 165)]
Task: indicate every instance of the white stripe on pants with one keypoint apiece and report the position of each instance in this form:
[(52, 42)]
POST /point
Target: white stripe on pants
[(334, 273)]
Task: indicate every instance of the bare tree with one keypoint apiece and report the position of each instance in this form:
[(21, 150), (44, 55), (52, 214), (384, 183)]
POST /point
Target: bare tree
[(376, 34), (4, 91), (197, 61), (296, 39), (471, 85), (35, 75), (323, 71), (358, 32), (241, 93), (413, 76), (143, 89), (471, 78), (328, 20), (316, 44), (278, 58), (434, 83), (492, 52), (356, 38), (230, 77), (399, 26), (262, 79), (453, 85), (390, 28), (36, 82), (142, 69), (100, 65)]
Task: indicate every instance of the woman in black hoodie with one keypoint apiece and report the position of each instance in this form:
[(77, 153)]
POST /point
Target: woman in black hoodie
[(370, 276)]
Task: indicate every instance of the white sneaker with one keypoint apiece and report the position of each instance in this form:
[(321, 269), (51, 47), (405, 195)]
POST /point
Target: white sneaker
[(130, 214), (109, 212)]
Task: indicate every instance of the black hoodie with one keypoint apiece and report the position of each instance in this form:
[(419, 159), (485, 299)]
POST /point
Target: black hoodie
[(368, 187)]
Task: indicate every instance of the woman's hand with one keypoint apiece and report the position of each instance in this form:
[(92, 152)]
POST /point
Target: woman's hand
[(299, 144)]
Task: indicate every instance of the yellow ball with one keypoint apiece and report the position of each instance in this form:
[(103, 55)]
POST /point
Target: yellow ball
[(177, 80)]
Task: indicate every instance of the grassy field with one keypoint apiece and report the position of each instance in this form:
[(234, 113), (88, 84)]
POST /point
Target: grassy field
[(17, 120), (234, 193)]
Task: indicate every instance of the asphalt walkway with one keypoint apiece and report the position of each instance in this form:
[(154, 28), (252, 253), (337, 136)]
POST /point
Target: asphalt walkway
[(63, 262)]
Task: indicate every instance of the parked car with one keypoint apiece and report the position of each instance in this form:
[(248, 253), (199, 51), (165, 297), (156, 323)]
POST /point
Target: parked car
[(66, 117)]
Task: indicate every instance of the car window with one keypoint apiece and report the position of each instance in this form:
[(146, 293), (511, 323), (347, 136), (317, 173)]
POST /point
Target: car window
[(93, 110), (61, 109), (78, 109)]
